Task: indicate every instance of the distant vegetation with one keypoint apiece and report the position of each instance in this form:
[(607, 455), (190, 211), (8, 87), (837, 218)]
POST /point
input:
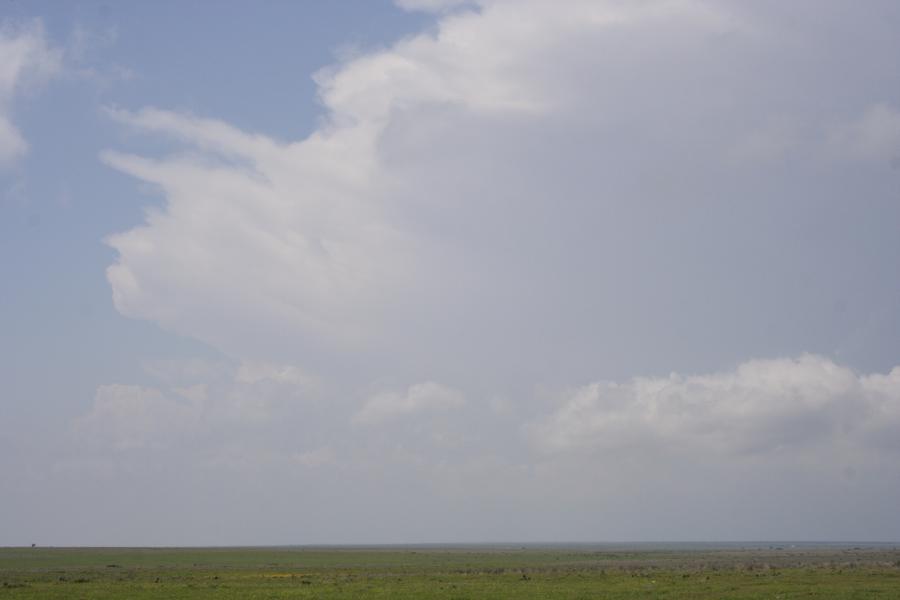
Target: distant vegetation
[(452, 573)]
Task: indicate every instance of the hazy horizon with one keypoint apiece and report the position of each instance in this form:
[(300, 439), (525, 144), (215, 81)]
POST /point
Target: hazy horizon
[(780, 545)]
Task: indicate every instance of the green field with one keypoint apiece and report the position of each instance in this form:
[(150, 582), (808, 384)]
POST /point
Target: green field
[(453, 572)]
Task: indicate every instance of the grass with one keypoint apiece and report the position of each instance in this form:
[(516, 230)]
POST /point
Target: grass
[(452, 573)]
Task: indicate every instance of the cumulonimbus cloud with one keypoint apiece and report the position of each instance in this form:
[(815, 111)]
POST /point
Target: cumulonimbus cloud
[(524, 179), (331, 240)]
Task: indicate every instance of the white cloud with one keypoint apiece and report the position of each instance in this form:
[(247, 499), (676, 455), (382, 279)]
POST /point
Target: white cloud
[(198, 404), (283, 239), (782, 406), (330, 240), (26, 59), (421, 397), (129, 416)]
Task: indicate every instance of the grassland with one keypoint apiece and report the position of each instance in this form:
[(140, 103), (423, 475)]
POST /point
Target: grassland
[(453, 573)]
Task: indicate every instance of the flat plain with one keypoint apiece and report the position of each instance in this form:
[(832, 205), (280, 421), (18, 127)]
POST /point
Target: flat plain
[(457, 572)]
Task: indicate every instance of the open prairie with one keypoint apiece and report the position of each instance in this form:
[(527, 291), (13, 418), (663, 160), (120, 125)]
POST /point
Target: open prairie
[(456, 572)]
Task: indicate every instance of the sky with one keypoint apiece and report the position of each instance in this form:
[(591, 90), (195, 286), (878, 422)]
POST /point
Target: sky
[(442, 271)]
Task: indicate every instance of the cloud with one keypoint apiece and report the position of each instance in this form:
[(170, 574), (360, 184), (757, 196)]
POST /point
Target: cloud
[(430, 174), (302, 251), (781, 407), (199, 405), (129, 416), (728, 453), (26, 60), (417, 398)]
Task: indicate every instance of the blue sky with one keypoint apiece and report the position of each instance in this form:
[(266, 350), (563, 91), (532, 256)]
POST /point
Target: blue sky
[(449, 271)]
